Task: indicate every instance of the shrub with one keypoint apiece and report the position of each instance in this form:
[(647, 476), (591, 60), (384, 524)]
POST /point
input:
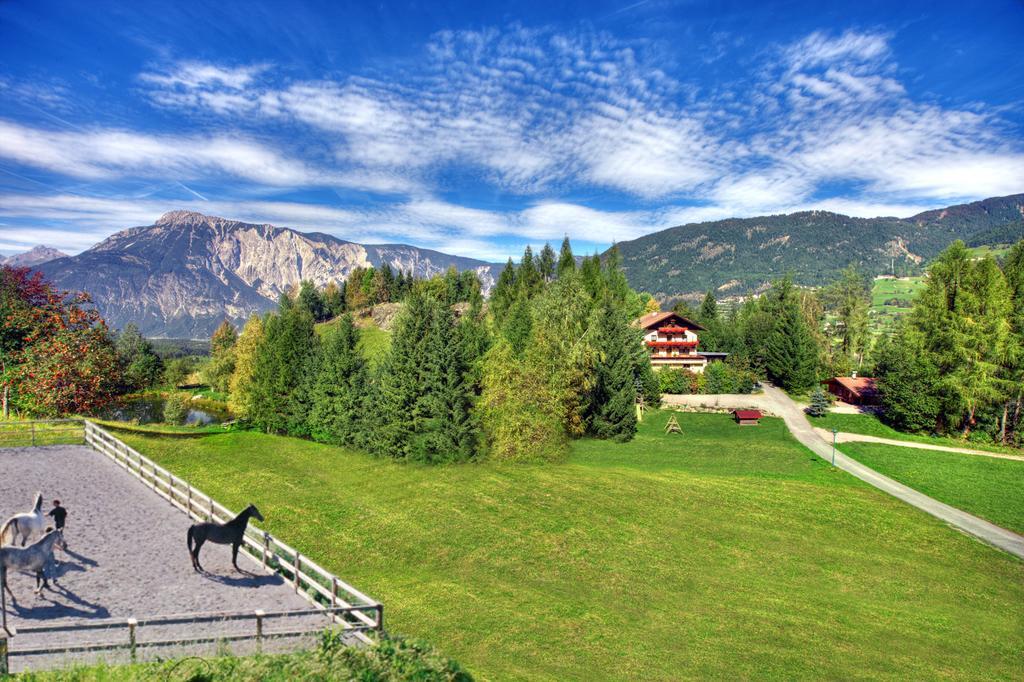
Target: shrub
[(176, 408), (674, 381), (178, 370)]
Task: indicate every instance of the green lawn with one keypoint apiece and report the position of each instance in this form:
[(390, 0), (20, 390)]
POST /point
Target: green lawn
[(870, 425), (882, 290), (725, 552), (986, 486)]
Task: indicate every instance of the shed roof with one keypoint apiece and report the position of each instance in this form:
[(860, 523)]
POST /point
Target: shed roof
[(747, 414), (859, 386)]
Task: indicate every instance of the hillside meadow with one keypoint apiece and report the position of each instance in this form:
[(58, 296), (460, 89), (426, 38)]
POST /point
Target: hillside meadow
[(724, 552)]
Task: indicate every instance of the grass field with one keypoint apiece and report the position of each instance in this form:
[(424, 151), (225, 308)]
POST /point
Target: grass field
[(882, 315), (870, 425), (986, 486), (374, 342), (726, 552)]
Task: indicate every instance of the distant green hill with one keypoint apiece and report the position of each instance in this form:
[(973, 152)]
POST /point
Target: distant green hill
[(739, 255), (1010, 233)]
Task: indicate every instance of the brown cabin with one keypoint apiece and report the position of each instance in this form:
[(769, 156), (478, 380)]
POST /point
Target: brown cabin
[(747, 417), (854, 390)]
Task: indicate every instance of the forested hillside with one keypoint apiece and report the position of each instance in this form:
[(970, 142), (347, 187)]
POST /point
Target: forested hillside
[(736, 256)]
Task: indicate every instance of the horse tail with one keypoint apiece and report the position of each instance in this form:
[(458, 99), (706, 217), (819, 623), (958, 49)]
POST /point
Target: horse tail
[(191, 538), (39, 503), (7, 528)]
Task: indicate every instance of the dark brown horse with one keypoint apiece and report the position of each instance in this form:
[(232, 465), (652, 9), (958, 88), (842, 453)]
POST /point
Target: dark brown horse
[(230, 533)]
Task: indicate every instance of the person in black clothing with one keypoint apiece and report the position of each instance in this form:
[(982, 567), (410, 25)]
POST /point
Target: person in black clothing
[(59, 514)]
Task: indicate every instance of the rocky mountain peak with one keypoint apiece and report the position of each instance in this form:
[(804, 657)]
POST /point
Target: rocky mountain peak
[(182, 218), (34, 256)]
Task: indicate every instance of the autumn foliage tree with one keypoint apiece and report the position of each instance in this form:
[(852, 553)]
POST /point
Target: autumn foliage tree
[(56, 353)]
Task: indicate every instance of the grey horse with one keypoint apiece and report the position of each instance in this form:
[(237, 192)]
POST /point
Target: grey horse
[(36, 557)]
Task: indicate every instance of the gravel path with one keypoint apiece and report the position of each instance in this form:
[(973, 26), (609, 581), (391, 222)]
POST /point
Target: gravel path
[(127, 558)]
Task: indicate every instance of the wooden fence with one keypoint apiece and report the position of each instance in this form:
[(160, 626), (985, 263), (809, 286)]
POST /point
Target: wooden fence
[(355, 612)]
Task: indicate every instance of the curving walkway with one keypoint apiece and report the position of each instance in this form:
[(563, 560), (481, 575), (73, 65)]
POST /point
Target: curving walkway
[(842, 437), (777, 402)]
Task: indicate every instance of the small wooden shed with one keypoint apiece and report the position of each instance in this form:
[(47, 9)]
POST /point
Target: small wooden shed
[(747, 417)]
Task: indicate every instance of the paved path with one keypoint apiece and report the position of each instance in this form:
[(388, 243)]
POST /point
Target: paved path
[(126, 558), (778, 403), (862, 438)]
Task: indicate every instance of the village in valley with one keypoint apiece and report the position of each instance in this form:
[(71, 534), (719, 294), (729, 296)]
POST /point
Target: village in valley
[(448, 355)]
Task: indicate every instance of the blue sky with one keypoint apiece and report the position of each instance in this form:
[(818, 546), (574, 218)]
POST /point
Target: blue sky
[(477, 128)]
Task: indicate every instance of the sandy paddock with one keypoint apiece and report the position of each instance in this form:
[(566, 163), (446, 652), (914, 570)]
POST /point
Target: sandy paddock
[(127, 558)]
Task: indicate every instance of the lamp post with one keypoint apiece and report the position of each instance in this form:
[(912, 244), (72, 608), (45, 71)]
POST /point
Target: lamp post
[(835, 432)]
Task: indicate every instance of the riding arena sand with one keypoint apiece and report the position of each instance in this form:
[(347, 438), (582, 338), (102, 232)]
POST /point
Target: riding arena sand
[(127, 558)]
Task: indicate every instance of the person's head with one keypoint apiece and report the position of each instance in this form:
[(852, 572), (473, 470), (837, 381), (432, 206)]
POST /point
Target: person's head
[(56, 503)]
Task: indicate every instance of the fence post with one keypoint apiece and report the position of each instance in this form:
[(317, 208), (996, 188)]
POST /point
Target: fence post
[(259, 630), (334, 591), (131, 637), (188, 503), (380, 618), (266, 549), (296, 567), (33, 434), (211, 509), (5, 635)]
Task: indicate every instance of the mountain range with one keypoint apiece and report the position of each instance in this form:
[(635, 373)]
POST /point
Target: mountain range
[(37, 255), (181, 276), (740, 255)]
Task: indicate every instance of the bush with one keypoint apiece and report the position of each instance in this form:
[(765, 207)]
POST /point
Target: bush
[(675, 381), (178, 370), (176, 408)]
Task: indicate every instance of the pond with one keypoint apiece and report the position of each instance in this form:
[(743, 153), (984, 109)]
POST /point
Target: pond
[(149, 409)]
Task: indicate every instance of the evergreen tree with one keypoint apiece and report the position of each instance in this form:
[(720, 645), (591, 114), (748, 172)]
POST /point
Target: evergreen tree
[(620, 348), (241, 397), (518, 326), (341, 389), (708, 309), (334, 299), (546, 263), (849, 300), (401, 409), (528, 281), (819, 403), (310, 299), (286, 362), (140, 366), (504, 293), (908, 382), (684, 309), (790, 351), (448, 432), (592, 276), (566, 261)]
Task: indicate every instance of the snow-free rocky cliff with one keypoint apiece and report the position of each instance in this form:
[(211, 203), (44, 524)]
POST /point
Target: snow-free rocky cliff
[(181, 276)]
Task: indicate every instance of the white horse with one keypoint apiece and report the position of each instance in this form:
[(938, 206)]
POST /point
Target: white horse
[(24, 525), (36, 557)]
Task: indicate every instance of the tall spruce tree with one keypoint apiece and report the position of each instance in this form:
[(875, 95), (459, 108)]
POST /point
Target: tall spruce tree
[(448, 432), (546, 263), (566, 261), (401, 408), (790, 351), (340, 392), (286, 363), (613, 402), (528, 280), (518, 325), (504, 293)]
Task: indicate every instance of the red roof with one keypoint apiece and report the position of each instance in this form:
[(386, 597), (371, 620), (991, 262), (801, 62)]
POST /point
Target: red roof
[(747, 414), (859, 386)]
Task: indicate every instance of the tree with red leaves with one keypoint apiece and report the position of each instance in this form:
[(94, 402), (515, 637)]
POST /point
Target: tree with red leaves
[(56, 353)]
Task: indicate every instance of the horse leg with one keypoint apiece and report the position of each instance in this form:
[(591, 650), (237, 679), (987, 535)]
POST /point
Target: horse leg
[(195, 555), (234, 556)]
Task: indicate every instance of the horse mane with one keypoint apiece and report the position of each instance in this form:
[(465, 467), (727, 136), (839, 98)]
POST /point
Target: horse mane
[(39, 503)]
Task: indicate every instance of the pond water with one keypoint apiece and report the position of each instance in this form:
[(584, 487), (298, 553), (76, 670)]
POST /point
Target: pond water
[(150, 410)]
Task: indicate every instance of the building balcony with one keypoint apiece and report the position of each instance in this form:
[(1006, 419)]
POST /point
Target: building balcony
[(669, 345)]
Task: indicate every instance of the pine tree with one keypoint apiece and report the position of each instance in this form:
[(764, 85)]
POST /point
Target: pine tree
[(708, 309), (310, 299), (334, 299), (518, 325), (613, 403), (566, 261), (528, 281), (546, 263), (341, 389), (791, 354), (241, 397), (448, 432), (819, 403), (400, 401), (286, 362), (592, 276), (504, 293)]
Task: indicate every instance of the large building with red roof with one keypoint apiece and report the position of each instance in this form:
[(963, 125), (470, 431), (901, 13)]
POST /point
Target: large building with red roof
[(672, 341)]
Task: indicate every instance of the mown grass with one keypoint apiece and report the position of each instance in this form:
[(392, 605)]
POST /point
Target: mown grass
[(724, 552), (989, 487), (871, 425)]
